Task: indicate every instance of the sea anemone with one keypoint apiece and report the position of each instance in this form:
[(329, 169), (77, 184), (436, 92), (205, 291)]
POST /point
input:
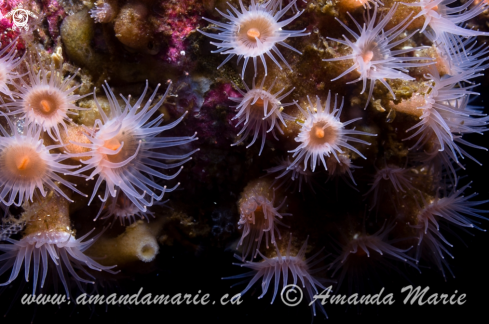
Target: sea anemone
[(372, 54), (388, 178), (323, 134), (255, 32), (63, 249), (363, 244), (123, 149), (48, 232), (446, 22), (341, 168), (8, 62), (297, 265), (258, 216), (446, 112), (259, 111), (437, 164), (26, 164), (46, 100), (48, 236), (288, 177), (454, 209), (362, 252), (123, 209), (463, 55)]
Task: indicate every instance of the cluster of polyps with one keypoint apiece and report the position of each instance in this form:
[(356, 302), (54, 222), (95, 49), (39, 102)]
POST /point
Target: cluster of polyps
[(122, 145), (124, 148), (444, 116), (252, 33), (126, 154)]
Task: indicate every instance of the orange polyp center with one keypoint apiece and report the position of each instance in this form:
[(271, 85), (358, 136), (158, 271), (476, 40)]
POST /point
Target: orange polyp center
[(368, 56), (129, 146), (259, 208), (23, 163), (253, 33), (319, 132), (112, 144), (259, 102), (45, 102), (323, 132), (45, 106)]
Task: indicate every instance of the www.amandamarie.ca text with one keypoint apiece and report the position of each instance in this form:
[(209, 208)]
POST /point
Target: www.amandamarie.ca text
[(133, 299)]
